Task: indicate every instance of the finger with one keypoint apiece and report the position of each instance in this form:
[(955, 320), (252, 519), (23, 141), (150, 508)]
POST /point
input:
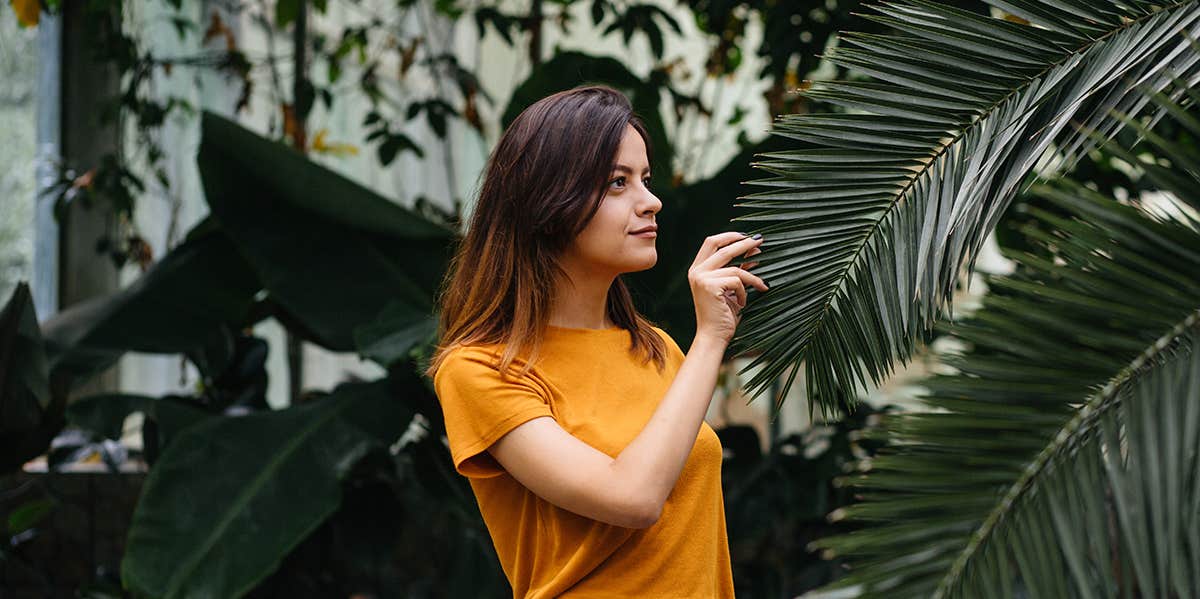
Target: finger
[(731, 300), (754, 252), (745, 277), (712, 243), (748, 265), (733, 284), (722, 256)]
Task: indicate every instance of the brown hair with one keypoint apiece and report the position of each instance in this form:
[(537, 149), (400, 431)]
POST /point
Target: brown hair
[(542, 184)]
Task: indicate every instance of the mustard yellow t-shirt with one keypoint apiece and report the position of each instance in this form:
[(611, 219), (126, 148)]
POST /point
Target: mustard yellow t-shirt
[(590, 382)]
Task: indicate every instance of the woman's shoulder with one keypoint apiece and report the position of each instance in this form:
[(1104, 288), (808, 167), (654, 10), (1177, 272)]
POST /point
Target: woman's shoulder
[(480, 360), (462, 351), (475, 371), (473, 359)]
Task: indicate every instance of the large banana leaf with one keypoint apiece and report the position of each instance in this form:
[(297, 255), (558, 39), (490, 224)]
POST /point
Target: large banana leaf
[(29, 415), (1059, 459), (183, 300), (231, 496), (331, 253), (24, 376), (869, 221)]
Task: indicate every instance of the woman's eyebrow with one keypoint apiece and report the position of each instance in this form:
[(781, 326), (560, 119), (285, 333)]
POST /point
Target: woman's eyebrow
[(625, 169)]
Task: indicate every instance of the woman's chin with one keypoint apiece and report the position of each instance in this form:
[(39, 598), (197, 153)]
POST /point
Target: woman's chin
[(641, 265)]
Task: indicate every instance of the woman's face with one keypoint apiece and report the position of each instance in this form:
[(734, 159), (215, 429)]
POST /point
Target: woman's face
[(620, 236)]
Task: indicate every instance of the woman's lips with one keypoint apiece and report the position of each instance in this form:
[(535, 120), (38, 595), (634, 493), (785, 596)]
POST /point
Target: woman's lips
[(646, 234)]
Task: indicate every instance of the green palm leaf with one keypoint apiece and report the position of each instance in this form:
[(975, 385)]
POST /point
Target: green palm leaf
[(870, 221), (1060, 456)]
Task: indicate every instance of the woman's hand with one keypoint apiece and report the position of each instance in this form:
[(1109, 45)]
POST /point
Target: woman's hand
[(718, 290)]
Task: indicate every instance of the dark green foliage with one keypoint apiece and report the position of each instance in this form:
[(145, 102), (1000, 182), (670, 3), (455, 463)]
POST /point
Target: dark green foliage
[(188, 296), (776, 502), (871, 218), (29, 414), (253, 487), (1058, 457), (302, 230)]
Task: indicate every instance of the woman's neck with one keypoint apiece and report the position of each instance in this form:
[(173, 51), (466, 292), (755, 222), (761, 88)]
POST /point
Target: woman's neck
[(581, 301)]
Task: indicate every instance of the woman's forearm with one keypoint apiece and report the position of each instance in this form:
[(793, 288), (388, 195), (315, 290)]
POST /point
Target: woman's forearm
[(652, 462)]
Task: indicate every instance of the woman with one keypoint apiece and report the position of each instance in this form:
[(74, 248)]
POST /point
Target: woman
[(579, 424)]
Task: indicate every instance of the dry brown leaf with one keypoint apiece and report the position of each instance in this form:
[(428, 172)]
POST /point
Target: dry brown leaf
[(471, 113), (85, 180), (1015, 19), (291, 127), (408, 55), (28, 12), (217, 27), (320, 146)]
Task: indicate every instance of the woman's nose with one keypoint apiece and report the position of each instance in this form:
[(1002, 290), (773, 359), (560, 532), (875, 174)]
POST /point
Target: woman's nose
[(651, 204)]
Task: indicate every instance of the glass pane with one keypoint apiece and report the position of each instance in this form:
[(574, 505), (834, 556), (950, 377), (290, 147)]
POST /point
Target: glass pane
[(18, 128)]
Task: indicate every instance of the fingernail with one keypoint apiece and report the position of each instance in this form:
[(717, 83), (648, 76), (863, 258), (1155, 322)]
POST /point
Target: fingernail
[(757, 236)]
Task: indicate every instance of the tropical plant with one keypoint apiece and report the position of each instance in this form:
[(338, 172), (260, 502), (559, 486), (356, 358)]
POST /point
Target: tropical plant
[(1059, 457), (872, 216)]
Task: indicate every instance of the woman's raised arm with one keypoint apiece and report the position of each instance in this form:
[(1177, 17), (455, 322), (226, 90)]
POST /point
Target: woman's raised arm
[(630, 490)]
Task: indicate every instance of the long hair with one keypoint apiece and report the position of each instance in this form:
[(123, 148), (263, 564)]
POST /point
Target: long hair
[(542, 184)]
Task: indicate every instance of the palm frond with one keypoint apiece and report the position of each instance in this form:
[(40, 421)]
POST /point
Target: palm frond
[(1136, 439), (1060, 457), (869, 222)]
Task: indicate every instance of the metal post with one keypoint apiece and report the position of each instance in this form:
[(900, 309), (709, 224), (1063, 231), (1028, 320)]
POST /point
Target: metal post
[(44, 281)]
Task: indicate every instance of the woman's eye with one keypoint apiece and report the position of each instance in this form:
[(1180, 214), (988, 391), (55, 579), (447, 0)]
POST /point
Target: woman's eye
[(620, 182)]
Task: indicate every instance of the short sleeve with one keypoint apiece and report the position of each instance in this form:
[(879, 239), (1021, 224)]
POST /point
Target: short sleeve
[(480, 407)]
